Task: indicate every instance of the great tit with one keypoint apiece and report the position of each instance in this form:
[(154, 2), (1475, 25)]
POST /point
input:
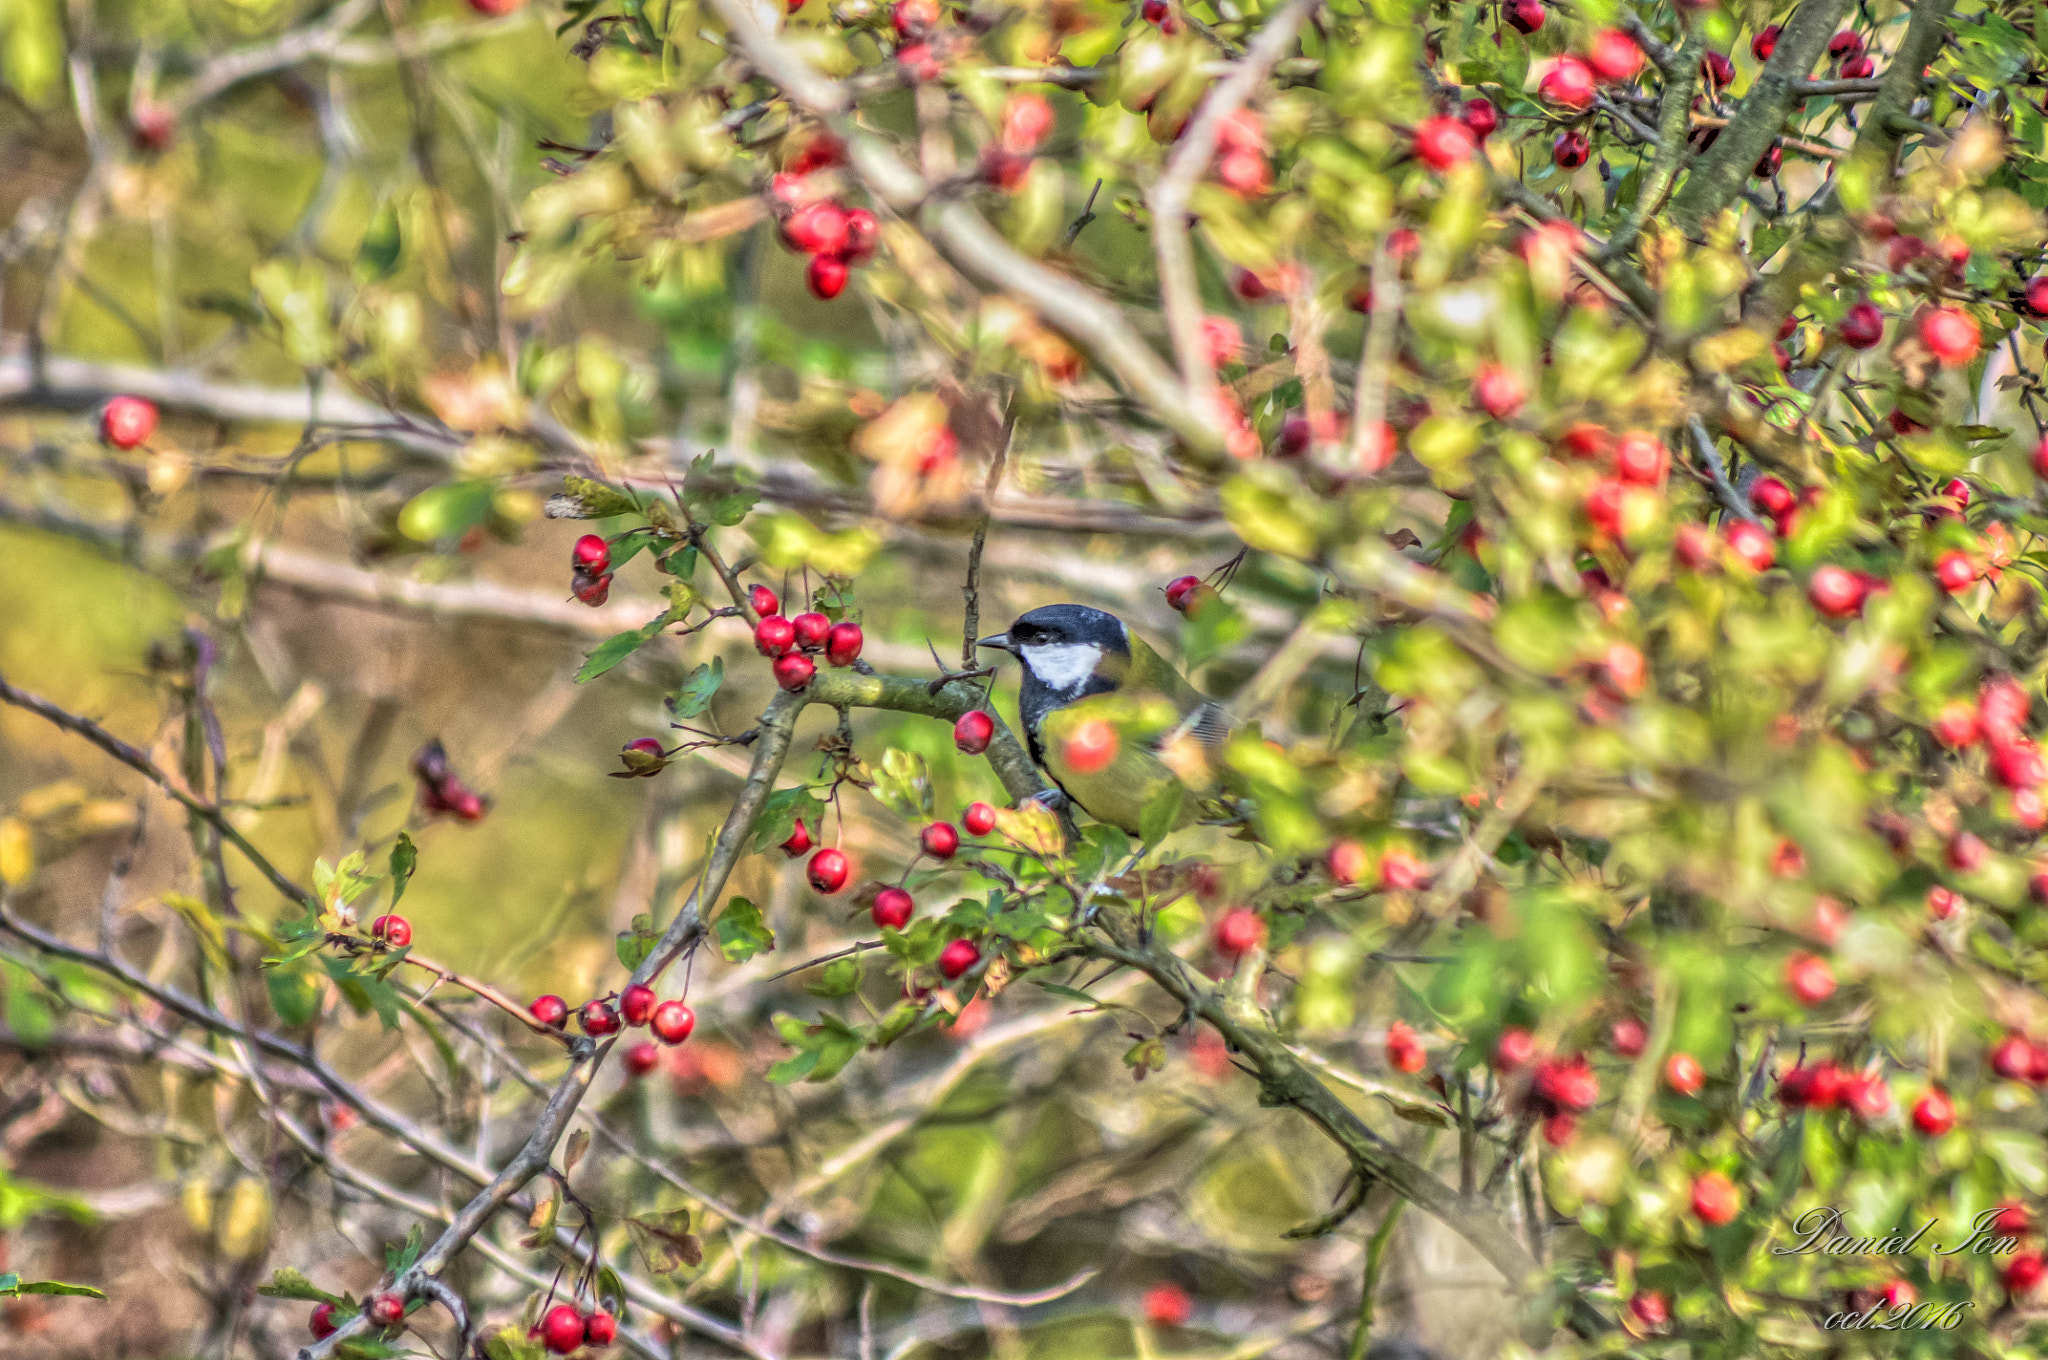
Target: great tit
[(1082, 665)]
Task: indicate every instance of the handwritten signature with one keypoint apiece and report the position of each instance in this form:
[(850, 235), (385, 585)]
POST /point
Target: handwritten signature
[(1821, 1234)]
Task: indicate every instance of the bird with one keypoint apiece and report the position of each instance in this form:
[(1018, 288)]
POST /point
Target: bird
[(1082, 666)]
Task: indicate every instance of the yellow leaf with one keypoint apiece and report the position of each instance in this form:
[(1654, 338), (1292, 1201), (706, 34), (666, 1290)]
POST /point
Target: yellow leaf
[(244, 1228), (17, 851)]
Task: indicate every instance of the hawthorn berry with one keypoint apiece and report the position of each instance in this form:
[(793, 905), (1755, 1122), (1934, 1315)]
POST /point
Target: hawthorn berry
[(811, 630), (1640, 457), (1168, 1305), (892, 909), (957, 957), (1404, 1049), (1765, 42), (1715, 1200), (127, 421), (1090, 747), (642, 1058), (843, 644), (828, 870), (1628, 1037), (1934, 1113), (601, 1328), (2013, 1057), (550, 1010), (322, 1323), (1349, 862), (1862, 326), (1683, 1074), (591, 590), (1717, 69), (794, 670), (1238, 932), (1955, 571), (1499, 391), (1482, 119), (774, 636), (979, 819), (591, 554), (636, 1004), (1649, 1308), (973, 731), (2024, 1271), (1751, 544), (826, 276), (1768, 165), (1441, 143), (1614, 56), (598, 1019), (817, 229), (1569, 83), (1401, 871), (1524, 16), (1859, 68), (386, 1310), (562, 1328), (1571, 149), (1950, 334), (151, 126), (1181, 592), (672, 1022), (763, 601), (1847, 43), (2036, 295), (1835, 591), (940, 840), (1942, 903), (1810, 979), (1514, 1050), (799, 840)]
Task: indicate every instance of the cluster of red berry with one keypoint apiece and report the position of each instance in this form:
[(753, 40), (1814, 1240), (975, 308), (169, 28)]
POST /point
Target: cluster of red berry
[(1027, 118), (829, 871), (671, 1021), (441, 790), (590, 570), (789, 641), (1998, 722), (836, 237), (565, 1327)]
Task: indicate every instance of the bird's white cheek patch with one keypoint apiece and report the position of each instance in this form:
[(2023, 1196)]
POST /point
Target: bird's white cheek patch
[(1064, 665)]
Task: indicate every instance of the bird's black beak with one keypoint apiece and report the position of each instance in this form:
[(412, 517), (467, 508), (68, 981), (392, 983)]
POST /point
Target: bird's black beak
[(1001, 642)]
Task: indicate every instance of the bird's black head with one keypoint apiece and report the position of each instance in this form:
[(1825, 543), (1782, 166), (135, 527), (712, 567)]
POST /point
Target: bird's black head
[(1062, 647)]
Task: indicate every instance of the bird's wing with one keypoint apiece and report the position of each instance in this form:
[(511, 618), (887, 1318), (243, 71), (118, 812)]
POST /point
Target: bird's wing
[(1208, 723), (1119, 792)]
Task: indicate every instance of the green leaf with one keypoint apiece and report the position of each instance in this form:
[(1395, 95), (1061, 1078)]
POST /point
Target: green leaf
[(377, 256), (839, 978), (694, 695), (741, 931), (446, 512), (781, 812), (904, 784), (405, 857), (635, 944), (599, 501), (294, 994), (287, 1283), (83, 1291), (401, 1257), (619, 646)]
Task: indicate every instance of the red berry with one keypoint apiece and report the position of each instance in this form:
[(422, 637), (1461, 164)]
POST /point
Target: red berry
[(1559, 1129), (811, 631), (817, 229), (1649, 1308), (826, 276), (591, 554), (1027, 118), (973, 731), (1525, 16), (1966, 852), (1514, 1050), (636, 1004), (1835, 591), (672, 1022), (1867, 1095), (2025, 1270), (598, 1019), (322, 1323), (794, 671), (1249, 285), (941, 840), (843, 644), (1499, 391), (1349, 863), (1772, 496), (127, 421), (1180, 592), (1569, 83), (601, 1328), (2037, 295), (1767, 166), (799, 841), (151, 125), (1951, 334), (1404, 1049), (2018, 765), (1862, 326), (1942, 903), (1715, 1200), (2013, 1057), (1934, 1113), (763, 601), (1640, 457), (1167, 1305), (562, 1329), (1810, 979), (1401, 871), (979, 819), (957, 957), (1482, 119), (1628, 1037), (1751, 544), (910, 17), (1847, 43), (1571, 149), (1090, 747), (550, 1010), (386, 1310), (774, 636), (1238, 932), (892, 909), (1683, 1074), (1717, 68), (1765, 42), (1614, 56), (2013, 1219), (642, 1058), (1441, 143), (395, 931), (1955, 571), (828, 870), (591, 590)]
